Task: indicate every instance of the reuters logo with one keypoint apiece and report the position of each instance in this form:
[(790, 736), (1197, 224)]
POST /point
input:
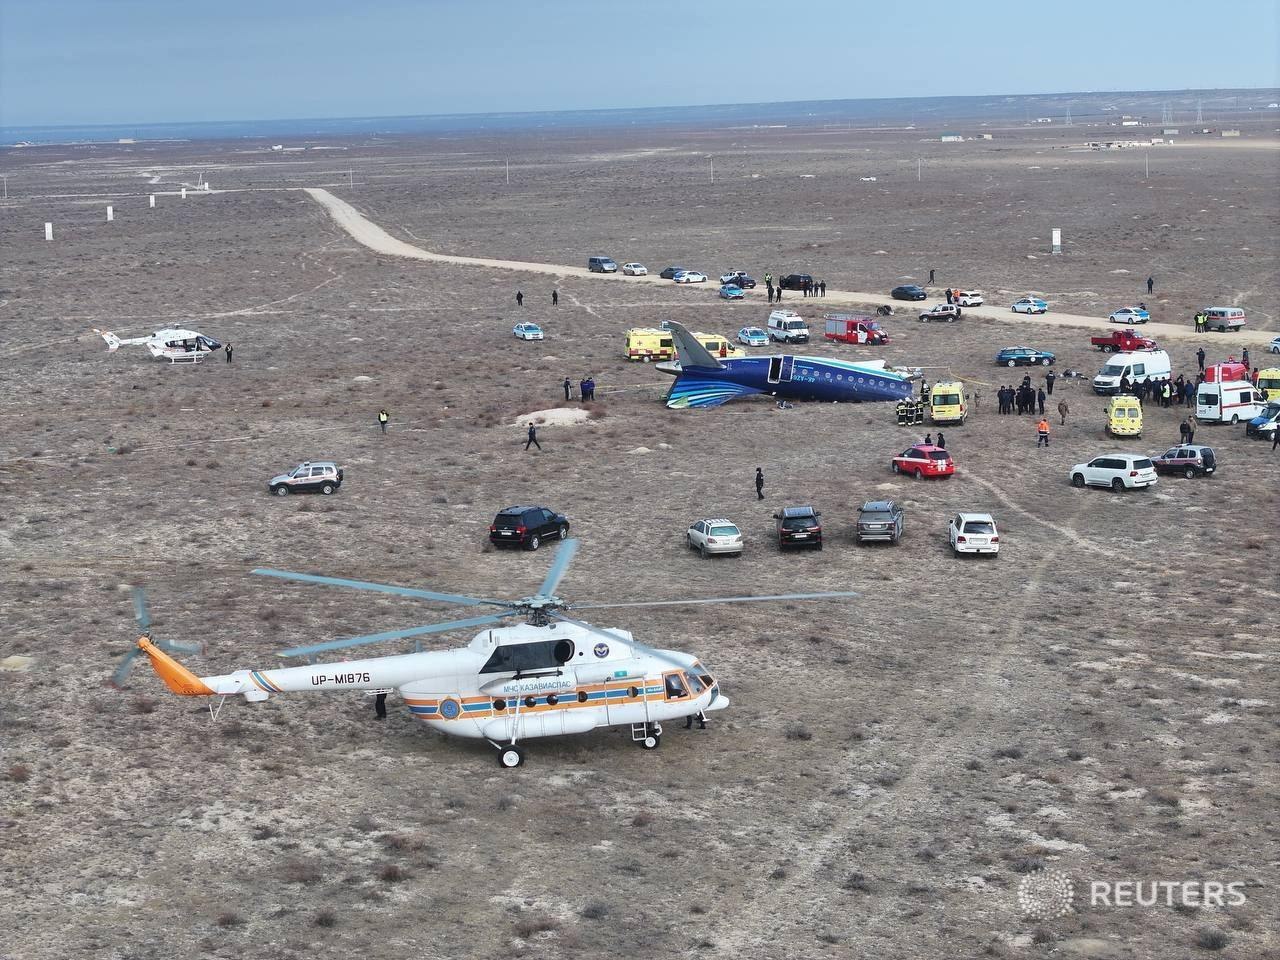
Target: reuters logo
[(1046, 895)]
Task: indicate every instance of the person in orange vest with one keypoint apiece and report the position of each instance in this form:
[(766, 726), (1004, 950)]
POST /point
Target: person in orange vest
[(1042, 433)]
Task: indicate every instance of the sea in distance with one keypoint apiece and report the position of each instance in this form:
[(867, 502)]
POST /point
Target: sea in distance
[(1217, 106)]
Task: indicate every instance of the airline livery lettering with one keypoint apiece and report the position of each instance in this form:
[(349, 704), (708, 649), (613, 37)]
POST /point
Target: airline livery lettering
[(340, 678)]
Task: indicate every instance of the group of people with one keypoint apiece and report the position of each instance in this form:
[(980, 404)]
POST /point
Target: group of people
[(1164, 392), (555, 298), (1024, 398), (811, 288), (586, 388)]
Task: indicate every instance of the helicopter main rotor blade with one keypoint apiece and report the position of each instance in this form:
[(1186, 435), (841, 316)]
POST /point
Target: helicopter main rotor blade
[(395, 635), (381, 588), (618, 638), (681, 603), (140, 612), (564, 557)]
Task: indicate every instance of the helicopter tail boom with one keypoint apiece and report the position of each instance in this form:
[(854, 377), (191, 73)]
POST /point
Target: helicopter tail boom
[(175, 676)]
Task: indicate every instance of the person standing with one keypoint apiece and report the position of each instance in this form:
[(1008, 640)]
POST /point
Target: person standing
[(1063, 410), (582, 390), (533, 438), (942, 441), (1244, 357), (1042, 433), (568, 389), (1048, 382), (1200, 358), (823, 285), (1275, 440), (931, 275), (519, 298), (1192, 423), (555, 298), (768, 279), (1183, 430), (591, 387), (700, 717), (1040, 398), (1151, 285), (383, 417), (759, 484), (949, 294), (928, 439), (228, 349), (769, 287), (380, 706)]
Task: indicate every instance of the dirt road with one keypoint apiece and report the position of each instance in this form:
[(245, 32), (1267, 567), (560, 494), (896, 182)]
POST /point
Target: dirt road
[(368, 233)]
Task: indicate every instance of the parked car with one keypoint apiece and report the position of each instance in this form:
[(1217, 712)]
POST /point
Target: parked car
[(527, 527), (1265, 424), (799, 527), (879, 520), (601, 265), (689, 276), (1024, 357), (739, 279), (945, 312), (1119, 471), (909, 291), (670, 273), (1030, 305), (1130, 315), (635, 270), (967, 298), (1189, 459), (1275, 345), (715, 536), (924, 460), (1224, 319), (319, 476), (795, 281), (973, 533), (527, 331), (753, 337), (730, 292)]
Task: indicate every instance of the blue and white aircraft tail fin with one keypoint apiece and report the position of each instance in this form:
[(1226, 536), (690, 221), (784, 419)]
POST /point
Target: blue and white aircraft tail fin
[(689, 351)]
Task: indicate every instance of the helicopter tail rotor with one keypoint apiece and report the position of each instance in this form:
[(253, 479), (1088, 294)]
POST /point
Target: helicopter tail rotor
[(142, 614)]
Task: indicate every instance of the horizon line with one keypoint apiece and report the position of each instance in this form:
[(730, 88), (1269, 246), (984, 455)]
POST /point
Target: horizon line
[(620, 109)]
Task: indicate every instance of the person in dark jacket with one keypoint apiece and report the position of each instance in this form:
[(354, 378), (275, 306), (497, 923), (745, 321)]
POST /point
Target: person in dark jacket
[(533, 438), (228, 349), (1200, 358), (759, 484), (519, 298), (568, 388), (555, 298), (1048, 382), (1040, 398), (941, 442)]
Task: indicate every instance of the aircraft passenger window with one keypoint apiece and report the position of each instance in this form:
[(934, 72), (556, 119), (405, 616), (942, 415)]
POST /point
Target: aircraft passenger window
[(675, 686), (519, 657)]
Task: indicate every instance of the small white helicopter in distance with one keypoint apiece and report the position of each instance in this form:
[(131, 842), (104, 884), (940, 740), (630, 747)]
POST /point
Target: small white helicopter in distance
[(549, 676), (176, 346)]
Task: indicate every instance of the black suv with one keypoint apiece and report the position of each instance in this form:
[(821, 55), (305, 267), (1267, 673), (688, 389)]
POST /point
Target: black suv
[(799, 527), (795, 281), (527, 527)]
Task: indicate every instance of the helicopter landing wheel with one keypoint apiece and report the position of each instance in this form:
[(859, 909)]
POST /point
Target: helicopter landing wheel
[(510, 757), (652, 738)]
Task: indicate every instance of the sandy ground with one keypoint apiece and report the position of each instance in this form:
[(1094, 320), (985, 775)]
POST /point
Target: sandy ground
[(375, 238), (1100, 699)]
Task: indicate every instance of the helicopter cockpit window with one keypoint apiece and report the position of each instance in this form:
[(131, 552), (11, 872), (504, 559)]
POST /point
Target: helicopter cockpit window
[(523, 657), (695, 683), (675, 687), (699, 679)]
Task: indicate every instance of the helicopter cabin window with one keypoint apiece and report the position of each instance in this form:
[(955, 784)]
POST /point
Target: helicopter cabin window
[(523, 657), (675, 686)]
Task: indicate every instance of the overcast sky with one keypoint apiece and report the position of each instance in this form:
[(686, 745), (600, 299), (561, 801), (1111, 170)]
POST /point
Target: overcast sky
[(142, 61)]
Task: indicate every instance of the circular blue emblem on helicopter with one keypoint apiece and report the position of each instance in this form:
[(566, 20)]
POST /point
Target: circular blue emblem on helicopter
[(449, 709), (601, 650)]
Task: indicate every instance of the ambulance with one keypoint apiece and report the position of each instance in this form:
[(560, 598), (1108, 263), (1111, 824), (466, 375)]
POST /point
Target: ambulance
[(1228, 402), (1269, 383), (650, 343), (946, 403), (1124, 417)]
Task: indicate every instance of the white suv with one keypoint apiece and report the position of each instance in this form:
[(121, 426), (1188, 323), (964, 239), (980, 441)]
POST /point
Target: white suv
[(967, 298), (974, 533), (715, 536), (1119, 471)]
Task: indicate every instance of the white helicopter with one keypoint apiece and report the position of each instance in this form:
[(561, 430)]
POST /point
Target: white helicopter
[(551, 675), (176, 346)]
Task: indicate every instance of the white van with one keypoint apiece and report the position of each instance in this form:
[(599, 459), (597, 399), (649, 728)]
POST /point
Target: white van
[(1228, 402), (1223, 319), (1136, 365), (787, 326)]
